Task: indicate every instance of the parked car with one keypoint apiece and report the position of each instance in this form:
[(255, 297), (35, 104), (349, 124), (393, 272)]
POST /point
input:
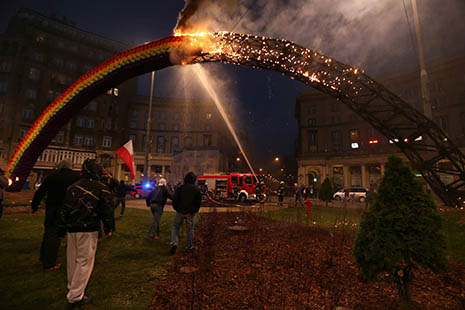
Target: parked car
[(355, 193)]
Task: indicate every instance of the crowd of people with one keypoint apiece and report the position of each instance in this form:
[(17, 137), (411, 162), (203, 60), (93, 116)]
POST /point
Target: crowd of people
[(79, 205)]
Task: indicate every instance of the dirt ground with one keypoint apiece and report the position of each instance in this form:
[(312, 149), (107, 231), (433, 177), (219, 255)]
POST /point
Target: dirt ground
[(276, 265)]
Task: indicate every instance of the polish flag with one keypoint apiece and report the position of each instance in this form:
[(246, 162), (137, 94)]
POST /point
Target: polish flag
[(126, 153)]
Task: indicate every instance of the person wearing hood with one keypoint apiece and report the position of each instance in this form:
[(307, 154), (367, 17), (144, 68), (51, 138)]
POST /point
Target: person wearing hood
[(88, 203), (186, 201), (3, 185), (156, 200), (54, 186)]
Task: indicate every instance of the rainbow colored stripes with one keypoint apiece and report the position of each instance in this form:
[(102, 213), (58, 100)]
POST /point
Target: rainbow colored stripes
[(96, 75)]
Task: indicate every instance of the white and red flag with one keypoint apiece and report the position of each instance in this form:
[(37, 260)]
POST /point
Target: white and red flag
[(126, 153)]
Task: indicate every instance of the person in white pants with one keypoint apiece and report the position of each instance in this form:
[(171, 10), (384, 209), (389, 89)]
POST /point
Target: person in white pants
[(88, 202)]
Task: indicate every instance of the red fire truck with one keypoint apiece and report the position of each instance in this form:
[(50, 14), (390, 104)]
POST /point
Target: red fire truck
[(234, 186)]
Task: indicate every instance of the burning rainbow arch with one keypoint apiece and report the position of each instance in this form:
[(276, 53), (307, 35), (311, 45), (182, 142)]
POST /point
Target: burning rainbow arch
[(420, 139)]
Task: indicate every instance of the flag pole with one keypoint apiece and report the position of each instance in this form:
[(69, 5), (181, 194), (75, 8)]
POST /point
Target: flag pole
[(148, 140)]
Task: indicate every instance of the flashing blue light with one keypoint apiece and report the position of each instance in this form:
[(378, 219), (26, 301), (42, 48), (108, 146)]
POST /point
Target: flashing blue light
[(147, 185)]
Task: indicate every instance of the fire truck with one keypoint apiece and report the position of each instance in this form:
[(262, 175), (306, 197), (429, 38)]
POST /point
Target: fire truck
[(234, 186)]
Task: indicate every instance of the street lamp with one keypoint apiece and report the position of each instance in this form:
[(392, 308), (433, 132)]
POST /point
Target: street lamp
[(238, 159), (276, 159)]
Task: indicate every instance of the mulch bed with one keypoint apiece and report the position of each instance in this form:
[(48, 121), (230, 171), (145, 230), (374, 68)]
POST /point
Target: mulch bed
[(277, 265)]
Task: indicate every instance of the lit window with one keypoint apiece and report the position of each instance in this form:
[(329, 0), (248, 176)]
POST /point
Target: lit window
[(115, 91), (78, 140), (106, 141), (354, 145), (80, 122), (208, 115), (89, 140)]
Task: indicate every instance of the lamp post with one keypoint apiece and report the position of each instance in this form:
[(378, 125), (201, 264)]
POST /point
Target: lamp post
[(147, 132), (423, 74)]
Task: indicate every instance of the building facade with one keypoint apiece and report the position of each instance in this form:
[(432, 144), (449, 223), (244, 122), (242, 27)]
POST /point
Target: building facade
[(335, 142), (41, 56)]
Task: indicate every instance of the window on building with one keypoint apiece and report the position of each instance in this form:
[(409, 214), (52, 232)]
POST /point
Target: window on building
[(106, 141), (208, 115), (162, 115), (22, 132), (80, 122), (132, 124), (134, 113), (336, 139), (108, 124), (176, 127), (311, 122), (90, 123), (28, 113), (207, 140), (187, 141), (71, 66), (92, 106), (34, 74), (113, 92), (133, 138), (3, 86), (31, 93), (335, 119), (177, 116), (160, 144), (312, 140), (89, 140), (208, 127), (312, 110), (5, 66), (78, 139), (59, 138), (162, 126), (174, 142), (40, 38), (2, 108), (36, 56), (87, 68)]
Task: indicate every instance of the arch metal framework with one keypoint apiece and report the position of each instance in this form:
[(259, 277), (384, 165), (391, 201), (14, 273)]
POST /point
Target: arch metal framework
[(419, 138)]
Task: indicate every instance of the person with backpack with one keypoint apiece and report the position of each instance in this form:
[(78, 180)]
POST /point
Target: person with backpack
[(156, 200), (88, 203), (54, 188)]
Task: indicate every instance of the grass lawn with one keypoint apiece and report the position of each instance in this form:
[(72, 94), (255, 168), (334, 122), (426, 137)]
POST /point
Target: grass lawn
[(128, 265), (125, 270)]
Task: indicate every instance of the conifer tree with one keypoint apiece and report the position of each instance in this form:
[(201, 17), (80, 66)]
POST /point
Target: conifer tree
[(326, 191), (400, 231)]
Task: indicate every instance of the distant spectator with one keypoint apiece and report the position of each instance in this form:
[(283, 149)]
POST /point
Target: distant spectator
[(281, 193), (186, 202), (156, 200), (3, 186), (54, 186), (121, 191)]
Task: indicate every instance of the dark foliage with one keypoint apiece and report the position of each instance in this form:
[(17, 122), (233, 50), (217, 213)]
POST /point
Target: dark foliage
[(326, 191), (401, 231)]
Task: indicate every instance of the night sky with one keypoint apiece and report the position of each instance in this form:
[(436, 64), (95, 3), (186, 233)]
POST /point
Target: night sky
[(374, 35)]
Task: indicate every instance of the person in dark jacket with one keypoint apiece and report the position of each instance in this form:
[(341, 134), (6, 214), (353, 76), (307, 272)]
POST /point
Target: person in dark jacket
[(88, 203), (280, 193), (121, 191), (156, 200), (3, 185), (54, 186), (186, 202)]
